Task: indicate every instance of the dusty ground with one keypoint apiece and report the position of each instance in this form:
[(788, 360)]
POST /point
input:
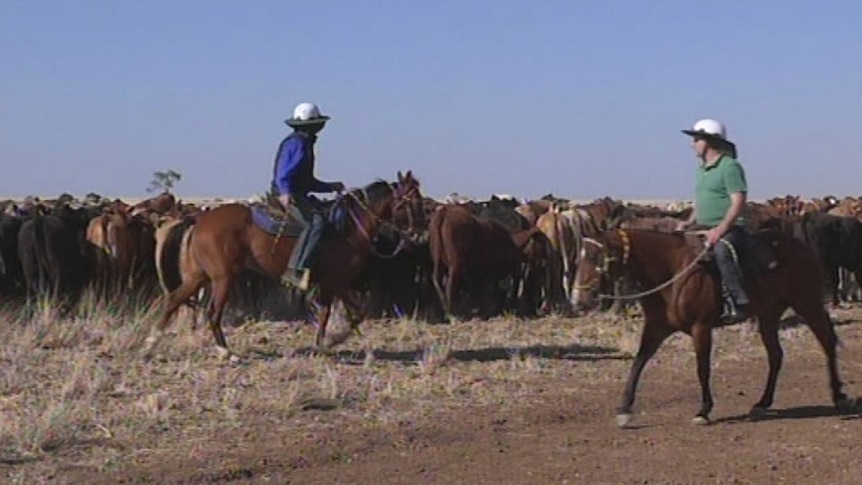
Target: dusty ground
[(502, 402)]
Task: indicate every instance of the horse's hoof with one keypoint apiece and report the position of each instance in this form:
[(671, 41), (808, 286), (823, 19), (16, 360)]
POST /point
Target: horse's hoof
[(700, 421), (324, 350), (846, 405), (757, 412), (624, 421), (224, 354)]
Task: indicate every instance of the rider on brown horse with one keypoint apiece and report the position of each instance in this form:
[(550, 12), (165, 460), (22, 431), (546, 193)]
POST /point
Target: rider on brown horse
[(293, 179), (719, 205)]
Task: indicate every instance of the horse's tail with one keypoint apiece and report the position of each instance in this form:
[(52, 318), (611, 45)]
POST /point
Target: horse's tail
[(43, 258), (168, 251), (437, 250), (562, 233)]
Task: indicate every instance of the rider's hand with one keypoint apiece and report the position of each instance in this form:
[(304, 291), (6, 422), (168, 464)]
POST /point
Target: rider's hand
[(337, 187), (713, 235), (284, 199), (681, 226)]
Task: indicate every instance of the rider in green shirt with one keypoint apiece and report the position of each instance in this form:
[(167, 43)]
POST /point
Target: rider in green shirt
[(720, 199)]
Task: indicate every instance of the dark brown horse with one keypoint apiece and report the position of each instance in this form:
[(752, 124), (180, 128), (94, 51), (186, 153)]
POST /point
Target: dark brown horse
[(225, 241), (691, 302), (466, 248)]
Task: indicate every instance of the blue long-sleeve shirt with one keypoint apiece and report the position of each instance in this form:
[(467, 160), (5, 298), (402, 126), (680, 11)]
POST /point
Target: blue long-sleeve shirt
[(294, 167)]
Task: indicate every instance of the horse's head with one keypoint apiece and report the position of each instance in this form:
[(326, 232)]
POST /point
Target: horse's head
[(600, 263), (408, 214), (361, 211), (397, 207)]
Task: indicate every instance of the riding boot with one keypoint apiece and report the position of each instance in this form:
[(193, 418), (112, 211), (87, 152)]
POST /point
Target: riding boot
[(305, 254), (727, 260), (296, 275), (730, 311)]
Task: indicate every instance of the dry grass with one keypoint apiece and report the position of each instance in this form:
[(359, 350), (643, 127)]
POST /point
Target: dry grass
[(74, 389)]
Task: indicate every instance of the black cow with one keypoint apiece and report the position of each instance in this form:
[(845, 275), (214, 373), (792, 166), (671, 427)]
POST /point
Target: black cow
[(398, 281), (503, 212), (837, 241), (11, 273), (52, 252)]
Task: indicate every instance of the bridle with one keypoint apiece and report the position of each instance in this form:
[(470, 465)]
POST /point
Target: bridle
[(607, 258), (407, 197), (357, 220)]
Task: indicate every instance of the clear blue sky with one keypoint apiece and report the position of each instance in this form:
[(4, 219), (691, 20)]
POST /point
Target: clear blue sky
[(579, 98)]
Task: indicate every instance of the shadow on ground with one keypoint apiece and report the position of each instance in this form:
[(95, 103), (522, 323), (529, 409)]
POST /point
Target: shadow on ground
[(488, 354), (854, 412)]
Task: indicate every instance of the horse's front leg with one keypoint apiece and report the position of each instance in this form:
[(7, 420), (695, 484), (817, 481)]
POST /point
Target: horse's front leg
[(768, 322), (355, 311), (323, 310), (701, 334), (654, 333)]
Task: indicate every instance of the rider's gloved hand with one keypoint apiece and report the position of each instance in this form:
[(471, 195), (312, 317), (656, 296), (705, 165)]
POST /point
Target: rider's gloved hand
[(284, 199)]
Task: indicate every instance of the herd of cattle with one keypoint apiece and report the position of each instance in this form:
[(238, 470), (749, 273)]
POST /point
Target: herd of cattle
[(473, 257)]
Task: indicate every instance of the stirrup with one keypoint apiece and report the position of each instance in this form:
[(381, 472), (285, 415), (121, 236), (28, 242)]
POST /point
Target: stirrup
[(301, 279), (733, 313)]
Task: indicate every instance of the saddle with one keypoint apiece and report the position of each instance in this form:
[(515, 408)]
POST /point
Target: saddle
[(276, 221), (272, 219), (758, 258)]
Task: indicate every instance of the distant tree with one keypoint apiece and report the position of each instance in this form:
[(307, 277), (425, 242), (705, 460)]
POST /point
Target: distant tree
[(164, 181)]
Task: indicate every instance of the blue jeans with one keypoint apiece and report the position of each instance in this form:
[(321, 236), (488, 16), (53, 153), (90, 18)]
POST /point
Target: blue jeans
[(305, 252), (729, 264)]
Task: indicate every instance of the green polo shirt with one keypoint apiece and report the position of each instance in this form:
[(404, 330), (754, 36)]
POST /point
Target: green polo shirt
[(714, 186)]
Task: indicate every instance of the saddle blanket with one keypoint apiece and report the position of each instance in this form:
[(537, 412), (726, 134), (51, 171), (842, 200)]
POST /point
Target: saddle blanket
[(275, 225)]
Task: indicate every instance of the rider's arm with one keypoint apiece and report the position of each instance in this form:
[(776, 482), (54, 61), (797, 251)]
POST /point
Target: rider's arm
[(736, 186), (737, 206), (287, 168), (320, 186)]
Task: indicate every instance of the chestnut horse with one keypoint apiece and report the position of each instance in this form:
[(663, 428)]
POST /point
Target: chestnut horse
[(225, 241), (683, 294)]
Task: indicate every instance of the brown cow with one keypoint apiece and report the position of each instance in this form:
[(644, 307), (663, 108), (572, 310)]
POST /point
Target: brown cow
[(478, 252), (564, 239), (660, 224), (121, 251), (848, 207), (160, 204)]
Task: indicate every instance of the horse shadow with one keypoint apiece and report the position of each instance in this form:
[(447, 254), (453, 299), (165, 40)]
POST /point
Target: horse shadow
[(574, 352), (794, 321), (853, 413)]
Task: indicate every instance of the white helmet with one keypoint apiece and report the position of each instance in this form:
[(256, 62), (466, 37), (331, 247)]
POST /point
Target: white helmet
[(708, 127), (306, 114), (713, 129)]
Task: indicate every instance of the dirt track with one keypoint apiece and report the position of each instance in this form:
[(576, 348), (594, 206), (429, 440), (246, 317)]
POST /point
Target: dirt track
[(558, 427)]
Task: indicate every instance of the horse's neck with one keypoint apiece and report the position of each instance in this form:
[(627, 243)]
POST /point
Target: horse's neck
[(656, 257), (521, 238), (365, 227)]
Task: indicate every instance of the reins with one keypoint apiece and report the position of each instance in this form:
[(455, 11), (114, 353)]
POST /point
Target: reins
[(401, 241), (656, 289)]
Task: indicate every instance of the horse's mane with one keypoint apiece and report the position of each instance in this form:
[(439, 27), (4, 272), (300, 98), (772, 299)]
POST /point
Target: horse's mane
[(649, 231), (671, 236), (376, 191)]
